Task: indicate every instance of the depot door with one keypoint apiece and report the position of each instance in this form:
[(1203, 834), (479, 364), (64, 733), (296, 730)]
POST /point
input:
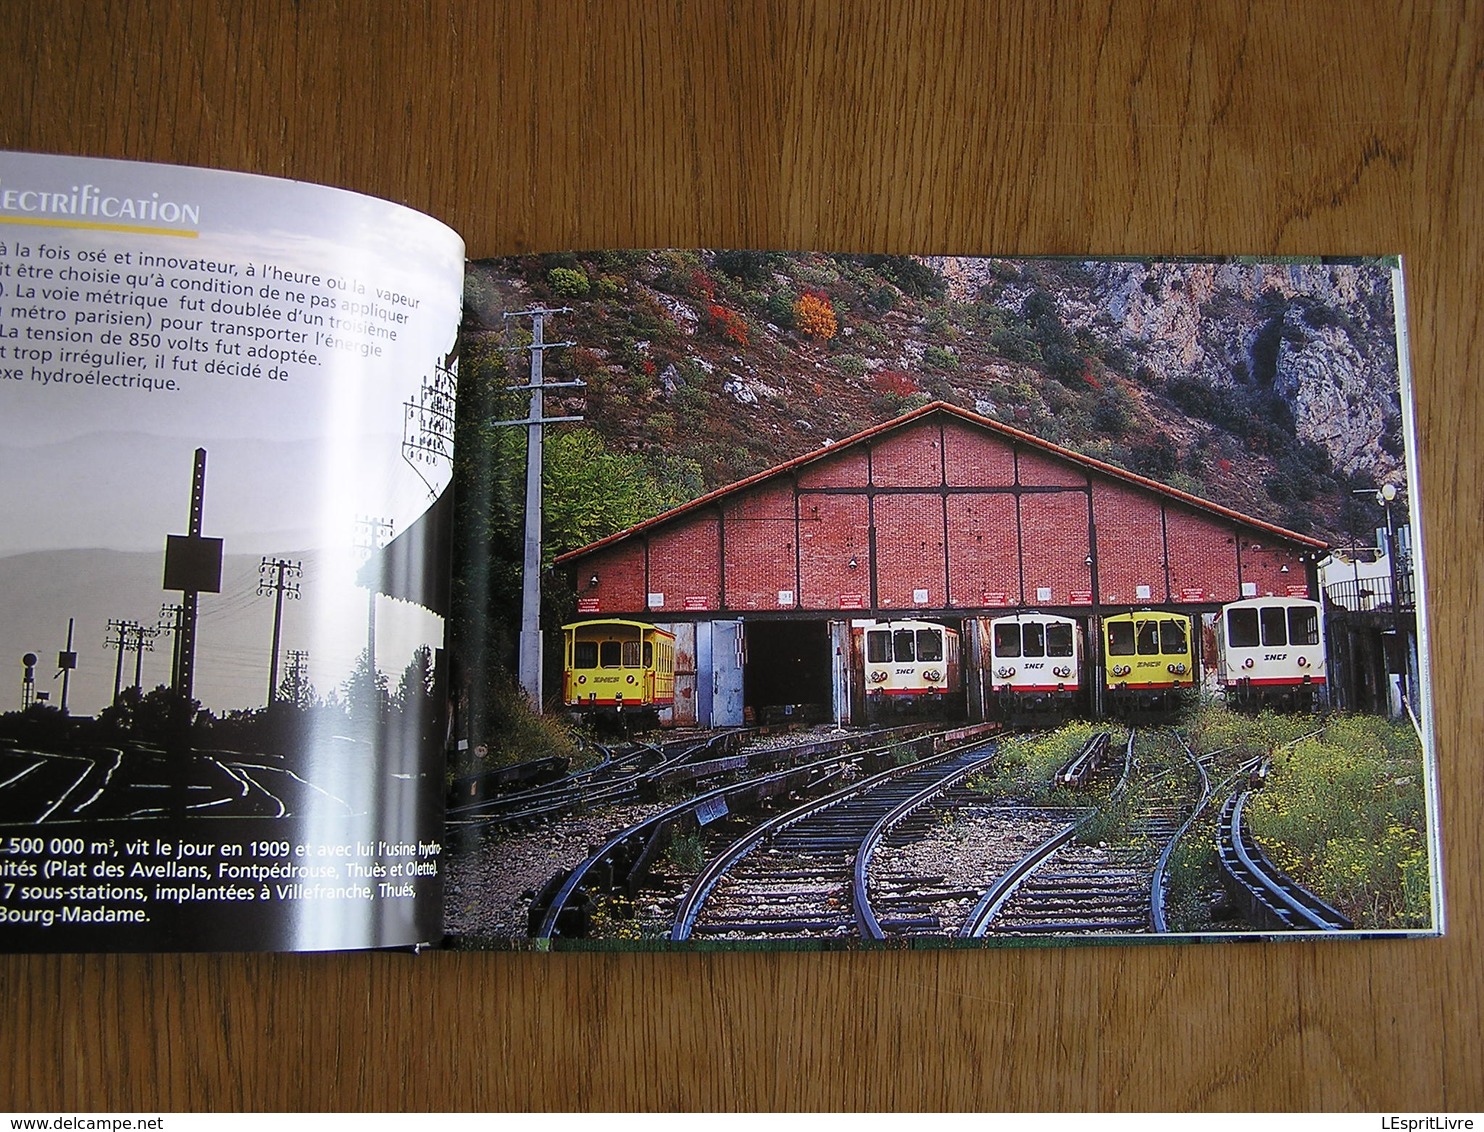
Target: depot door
[(728, 659)]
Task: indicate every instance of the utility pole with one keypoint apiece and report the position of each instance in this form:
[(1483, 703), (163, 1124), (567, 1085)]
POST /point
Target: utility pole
[(142, 639), (273, 578), (119, 633), (172, 619), (530, 603), (371, 535), (66, 662), (298, 663)]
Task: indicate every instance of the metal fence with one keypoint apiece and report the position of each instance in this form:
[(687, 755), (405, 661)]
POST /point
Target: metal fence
[(1370, 595)]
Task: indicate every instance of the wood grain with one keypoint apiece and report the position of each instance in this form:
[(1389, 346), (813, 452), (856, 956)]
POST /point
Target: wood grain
[(1114, 127)]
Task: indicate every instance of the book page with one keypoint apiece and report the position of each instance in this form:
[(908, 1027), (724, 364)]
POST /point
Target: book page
[(228, 404)]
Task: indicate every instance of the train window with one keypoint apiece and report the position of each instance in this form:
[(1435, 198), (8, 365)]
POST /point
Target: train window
[(902, 644), (1148, 632), (610, 654), (648, 654), (1007, 639), (929, 644), (1173, 638), (1120, 638), (631, 654), (1058, 640), (1033, 637), (878, 647), (1303, 625), (1274, 625), (1241, 628), (585, 654)]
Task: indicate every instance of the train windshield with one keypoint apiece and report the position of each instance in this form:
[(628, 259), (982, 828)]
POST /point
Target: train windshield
[(929, 644), (648, 654), (1033, 638), (902, 644), (585, 654), (1058, 640), (1148, 632), (1241, 628), (1173, 638), (611, 654), (1120, 638), (878, 647), (1303, 625), (1007, 639), (1274, 622)]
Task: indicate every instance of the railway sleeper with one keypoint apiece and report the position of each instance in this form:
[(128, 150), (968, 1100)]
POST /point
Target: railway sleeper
[(770, 927), (924, 896), (1077, 926)]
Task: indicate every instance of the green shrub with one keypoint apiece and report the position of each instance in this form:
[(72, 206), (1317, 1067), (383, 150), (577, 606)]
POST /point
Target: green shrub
[(568, 282)]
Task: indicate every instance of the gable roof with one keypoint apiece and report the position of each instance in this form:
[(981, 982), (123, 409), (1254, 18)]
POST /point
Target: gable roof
[(986, 424)]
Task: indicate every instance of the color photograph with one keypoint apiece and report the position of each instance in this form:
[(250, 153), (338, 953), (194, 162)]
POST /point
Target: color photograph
[(936, 601)]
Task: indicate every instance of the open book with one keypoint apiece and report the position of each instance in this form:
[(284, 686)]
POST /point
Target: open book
[(360, 596)]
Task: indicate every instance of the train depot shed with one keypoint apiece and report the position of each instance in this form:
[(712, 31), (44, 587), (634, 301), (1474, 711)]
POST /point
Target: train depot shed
[(940, 514)]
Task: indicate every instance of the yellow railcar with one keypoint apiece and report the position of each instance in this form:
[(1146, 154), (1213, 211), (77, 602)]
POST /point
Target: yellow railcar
[(1148, 658), (614, 667)]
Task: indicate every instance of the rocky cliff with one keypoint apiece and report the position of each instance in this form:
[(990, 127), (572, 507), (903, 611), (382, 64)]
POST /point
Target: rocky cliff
[(1270, 387)]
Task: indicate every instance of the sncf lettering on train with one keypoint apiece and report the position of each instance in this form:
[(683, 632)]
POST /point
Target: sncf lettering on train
[(1275, 656)]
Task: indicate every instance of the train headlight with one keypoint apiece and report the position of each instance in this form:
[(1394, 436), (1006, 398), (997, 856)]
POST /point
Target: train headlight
[(1062, 670), (1303, 662), (932, 675), (582, 679), (1176, 669), (1121, 670), (1004, 671), (878, 676), (1247, 663)]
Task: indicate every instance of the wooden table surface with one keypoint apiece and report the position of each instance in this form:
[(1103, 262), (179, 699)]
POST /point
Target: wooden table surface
[(1119, 128)]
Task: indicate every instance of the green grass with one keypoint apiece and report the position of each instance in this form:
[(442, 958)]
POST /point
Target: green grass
[(1343, 814), (687, 851), (1027, 763)]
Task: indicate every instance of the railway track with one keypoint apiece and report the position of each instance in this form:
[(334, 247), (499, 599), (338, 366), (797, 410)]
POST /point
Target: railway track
[(138, 781), (918, 850), (626, 860), (1067, 885), (620, 775), (795, 875), (1267, 896)]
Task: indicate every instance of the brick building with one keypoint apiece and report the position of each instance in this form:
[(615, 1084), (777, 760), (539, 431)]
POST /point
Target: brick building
[(940, 514)]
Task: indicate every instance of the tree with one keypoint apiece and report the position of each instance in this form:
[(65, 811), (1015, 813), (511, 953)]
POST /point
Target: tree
[(366, 697), (415, 689)]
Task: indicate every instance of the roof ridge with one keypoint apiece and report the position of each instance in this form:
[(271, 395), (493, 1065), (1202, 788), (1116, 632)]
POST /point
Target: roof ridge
[(968, 416)]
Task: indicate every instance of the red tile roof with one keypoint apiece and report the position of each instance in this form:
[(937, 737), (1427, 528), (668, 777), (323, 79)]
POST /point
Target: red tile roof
[(988, 424)]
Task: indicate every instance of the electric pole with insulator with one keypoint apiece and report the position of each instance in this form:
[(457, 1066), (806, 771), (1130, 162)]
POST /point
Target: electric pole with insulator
[(120, 633), (297, 679), (275, 577), (530, 594), (371, 535)]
